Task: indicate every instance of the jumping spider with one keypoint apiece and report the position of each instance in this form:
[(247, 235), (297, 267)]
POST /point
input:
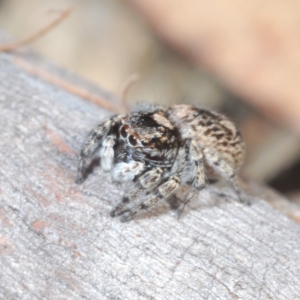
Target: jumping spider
[(160, 149)]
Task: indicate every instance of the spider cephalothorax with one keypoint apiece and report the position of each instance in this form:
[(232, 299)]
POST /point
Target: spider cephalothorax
[(160, 149), (147, 137)]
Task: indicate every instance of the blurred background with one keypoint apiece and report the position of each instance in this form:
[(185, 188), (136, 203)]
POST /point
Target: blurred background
[(221, 56)]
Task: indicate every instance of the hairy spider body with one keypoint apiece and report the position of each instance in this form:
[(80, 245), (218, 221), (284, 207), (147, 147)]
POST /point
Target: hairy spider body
[(160, 149)]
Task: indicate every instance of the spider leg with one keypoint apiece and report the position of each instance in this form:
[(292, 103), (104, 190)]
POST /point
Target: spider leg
[(107, 152), (145, 181), (228, 172), (164, 189), (94, 140), (242, 198), (199, 180)]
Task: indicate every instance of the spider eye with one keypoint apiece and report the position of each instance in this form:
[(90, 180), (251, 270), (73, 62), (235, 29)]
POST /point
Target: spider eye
[(132, 140), (155, 140), (124, 131)]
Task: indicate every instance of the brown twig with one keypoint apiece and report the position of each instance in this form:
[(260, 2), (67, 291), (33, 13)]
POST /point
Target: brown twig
[(125, 88), (15, 45), (52, 79), (67, 86)]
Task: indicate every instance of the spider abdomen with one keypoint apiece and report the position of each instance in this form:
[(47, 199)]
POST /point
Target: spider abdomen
[(211, 131)]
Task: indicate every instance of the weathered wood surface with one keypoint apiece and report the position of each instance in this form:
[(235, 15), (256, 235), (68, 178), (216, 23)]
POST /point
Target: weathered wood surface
[(57, 240)]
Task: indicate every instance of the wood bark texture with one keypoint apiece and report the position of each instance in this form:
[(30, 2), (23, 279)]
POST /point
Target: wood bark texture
[(57, 240)]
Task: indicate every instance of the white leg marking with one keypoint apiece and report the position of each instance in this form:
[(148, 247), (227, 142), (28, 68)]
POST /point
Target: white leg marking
[(127, 171), (107, 153)]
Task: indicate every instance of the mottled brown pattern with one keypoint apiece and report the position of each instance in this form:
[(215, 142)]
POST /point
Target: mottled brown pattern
[(161, 149), (211, 130)]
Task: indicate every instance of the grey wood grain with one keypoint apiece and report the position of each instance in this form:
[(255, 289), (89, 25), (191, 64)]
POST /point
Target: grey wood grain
[(57, 240)]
